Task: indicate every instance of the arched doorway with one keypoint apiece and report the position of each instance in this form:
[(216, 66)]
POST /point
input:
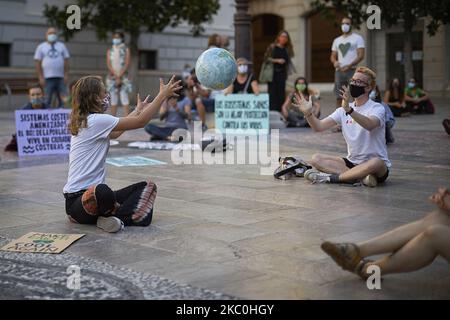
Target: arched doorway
[(265, 28), (320, 34)]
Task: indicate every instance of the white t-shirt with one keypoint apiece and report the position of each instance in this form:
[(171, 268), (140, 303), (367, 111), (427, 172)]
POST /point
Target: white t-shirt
[(52, 57), (88, 152), (346, 47), (362, 144)]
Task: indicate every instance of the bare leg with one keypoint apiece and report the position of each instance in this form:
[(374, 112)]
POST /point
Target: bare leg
[(328, 164), (114, 110), (419, 252), (126, 110), (374, 166), (395, 239)]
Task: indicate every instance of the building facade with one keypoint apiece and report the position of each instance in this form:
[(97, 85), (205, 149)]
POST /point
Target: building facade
[(312, 37), (23, 27)]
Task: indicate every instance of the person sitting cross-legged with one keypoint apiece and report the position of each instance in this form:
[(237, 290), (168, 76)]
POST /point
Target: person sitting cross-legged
[(175, 110), (363, 127)]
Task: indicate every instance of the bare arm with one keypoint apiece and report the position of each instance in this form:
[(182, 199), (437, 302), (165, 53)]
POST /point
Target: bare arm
[(149, 109), (334, 59), (306, 106), (228, 90), (285, 106), (117, 134), (361, 52), (40, 73), (255, 87)]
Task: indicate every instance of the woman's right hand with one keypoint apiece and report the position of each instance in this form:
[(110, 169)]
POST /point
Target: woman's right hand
[(169, 89)]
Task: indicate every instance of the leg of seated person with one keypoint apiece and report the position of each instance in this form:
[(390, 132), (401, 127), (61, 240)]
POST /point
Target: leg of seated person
[(328, 164), (374, 166), (393, 240), (418, 252), (160, 133)]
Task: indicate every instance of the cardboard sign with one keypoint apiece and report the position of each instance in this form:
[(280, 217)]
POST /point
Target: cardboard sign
[(133, 162), (36, 242), (242, 113), (42, 132)]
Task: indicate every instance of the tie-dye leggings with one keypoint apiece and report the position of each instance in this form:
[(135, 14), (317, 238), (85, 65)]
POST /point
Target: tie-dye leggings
[(133, 204)]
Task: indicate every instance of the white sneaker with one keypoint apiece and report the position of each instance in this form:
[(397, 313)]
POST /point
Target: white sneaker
[(110, 224), (370, 181), (315, 176)]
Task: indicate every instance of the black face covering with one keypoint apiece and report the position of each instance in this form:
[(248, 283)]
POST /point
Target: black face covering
[(356, 91)]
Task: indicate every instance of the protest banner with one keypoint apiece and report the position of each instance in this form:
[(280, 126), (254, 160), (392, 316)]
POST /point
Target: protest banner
[(42, 132), (242, 113)]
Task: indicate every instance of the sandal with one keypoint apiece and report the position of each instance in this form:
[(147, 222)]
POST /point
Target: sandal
[(291, 165), (346, 255)]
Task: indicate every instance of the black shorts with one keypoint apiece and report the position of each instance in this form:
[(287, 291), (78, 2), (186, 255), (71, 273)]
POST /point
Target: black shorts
[(351, 165)]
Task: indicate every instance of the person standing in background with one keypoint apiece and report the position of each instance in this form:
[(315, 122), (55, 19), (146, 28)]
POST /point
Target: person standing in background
[(279, 53), (346, 52), (52, 67), (118, 59)]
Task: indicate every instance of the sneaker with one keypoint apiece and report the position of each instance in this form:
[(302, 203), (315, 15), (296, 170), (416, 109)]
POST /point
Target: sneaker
[(315, 176), (370, 181), (110, 224)]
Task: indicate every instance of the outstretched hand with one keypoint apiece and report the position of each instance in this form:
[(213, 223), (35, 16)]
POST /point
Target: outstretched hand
[(169, 89), (301, 103), (141, 105)]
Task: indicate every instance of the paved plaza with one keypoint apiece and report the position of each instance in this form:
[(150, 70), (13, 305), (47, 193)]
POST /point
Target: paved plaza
[(225, 231)]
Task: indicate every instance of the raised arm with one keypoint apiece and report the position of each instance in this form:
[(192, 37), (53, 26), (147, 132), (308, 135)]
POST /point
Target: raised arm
[(149, 109), (306, 106)]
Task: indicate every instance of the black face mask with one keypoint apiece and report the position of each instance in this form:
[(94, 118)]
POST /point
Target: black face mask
[(356, 91)]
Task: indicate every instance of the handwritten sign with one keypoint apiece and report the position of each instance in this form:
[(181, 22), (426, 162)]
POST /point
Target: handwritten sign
[(238, 113), (36, 242), (42, 132)]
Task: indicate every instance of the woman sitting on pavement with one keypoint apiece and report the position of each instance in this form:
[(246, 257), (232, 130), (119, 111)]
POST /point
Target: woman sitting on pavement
[(293, 115), (394, 97), (245, 83), (410, 247), (417, 99)]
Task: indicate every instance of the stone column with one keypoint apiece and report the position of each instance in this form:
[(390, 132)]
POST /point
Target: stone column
[(242, 29)]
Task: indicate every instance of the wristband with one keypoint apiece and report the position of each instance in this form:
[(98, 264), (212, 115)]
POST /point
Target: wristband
[(350, 112)]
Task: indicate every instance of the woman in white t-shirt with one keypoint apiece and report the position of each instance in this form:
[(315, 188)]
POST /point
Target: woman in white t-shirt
[(88, 199)]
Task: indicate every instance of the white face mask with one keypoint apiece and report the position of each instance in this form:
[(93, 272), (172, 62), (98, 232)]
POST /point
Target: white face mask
[(52, 37), (242, 69), (345, 28), (372, 95), (117, 41)]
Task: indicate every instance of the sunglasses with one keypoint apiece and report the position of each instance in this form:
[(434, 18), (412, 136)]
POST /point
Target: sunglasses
[(357, 82)]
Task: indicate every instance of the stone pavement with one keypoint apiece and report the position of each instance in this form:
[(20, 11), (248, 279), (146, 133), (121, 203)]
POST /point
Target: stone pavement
[(228, 229)]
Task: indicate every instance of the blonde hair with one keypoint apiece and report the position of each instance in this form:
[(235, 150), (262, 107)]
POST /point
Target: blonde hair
[(86, 99), (371, 74)]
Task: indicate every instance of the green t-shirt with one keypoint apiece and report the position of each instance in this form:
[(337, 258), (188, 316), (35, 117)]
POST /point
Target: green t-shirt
[(414, 92)]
